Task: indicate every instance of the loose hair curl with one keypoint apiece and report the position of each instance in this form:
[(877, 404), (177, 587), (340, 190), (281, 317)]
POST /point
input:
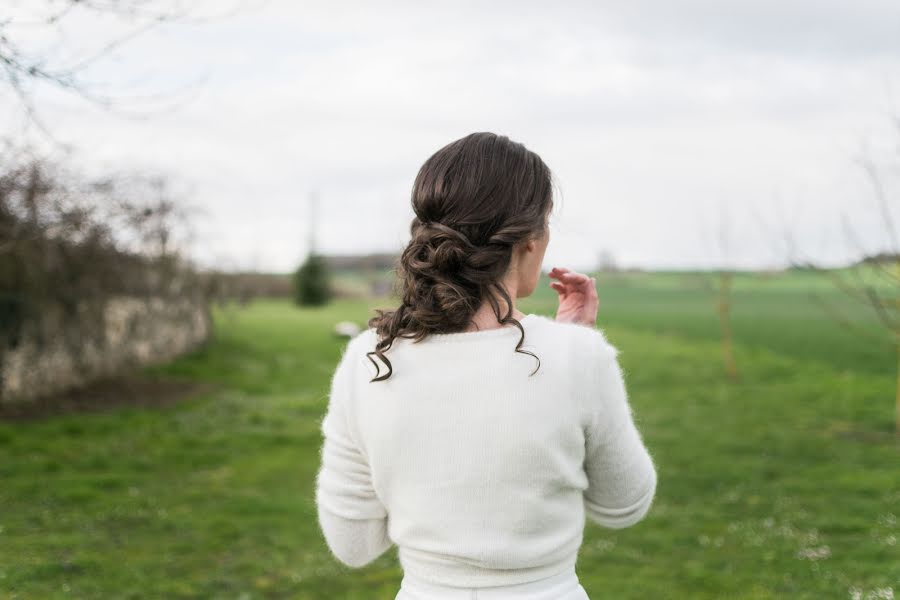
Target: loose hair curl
[(474, 200)]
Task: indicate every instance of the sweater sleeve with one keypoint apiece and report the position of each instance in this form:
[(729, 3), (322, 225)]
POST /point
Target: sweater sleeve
[(621, 473), (352, 518)]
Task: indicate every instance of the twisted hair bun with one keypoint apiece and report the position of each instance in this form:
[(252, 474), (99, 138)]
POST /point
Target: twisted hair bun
[(474, 200), (441, 248), (444, 274)]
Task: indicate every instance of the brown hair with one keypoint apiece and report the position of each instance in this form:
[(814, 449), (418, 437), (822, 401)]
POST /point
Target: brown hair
[(474, 200)]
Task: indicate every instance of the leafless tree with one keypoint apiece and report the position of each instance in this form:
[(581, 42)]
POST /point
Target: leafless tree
[(719, 282), (606, 261), (873, 281)]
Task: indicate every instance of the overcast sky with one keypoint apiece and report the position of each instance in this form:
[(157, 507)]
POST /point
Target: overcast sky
[(660, 120)]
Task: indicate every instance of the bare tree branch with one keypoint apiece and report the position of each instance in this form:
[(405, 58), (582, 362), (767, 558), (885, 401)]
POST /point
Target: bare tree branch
[(844, 321), (882, 295), (23, 70), (881, 198)]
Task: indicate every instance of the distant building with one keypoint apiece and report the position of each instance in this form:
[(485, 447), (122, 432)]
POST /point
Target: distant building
[(362, 262)]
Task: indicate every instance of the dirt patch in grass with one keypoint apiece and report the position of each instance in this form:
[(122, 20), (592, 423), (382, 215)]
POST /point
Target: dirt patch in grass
[(854, 431), (127, 390)]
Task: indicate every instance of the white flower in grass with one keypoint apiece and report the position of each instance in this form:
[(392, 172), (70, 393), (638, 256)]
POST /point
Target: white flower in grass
[(814, 554), (876, 594), (887, 520), (602, 545)]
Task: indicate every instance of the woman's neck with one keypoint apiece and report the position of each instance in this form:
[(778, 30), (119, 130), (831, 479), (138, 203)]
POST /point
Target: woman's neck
[(484, 318)]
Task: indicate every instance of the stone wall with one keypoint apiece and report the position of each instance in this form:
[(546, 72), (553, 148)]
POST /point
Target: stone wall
[(66, 350)]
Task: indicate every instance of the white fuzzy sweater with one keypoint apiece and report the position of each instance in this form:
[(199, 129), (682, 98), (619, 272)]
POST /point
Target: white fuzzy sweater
[(480, 474)]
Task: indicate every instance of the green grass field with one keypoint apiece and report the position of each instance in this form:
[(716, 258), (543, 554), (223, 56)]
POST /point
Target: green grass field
[(785, 484)]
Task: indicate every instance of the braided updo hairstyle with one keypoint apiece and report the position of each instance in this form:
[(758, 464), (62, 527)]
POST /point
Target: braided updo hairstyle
[(474, 200)]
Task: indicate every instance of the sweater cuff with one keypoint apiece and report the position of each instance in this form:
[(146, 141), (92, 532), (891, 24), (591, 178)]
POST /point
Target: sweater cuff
[(354, 542), (619, 518)]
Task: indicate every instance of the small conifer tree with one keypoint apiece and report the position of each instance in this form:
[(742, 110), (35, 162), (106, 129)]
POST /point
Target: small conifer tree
[(312, 282)]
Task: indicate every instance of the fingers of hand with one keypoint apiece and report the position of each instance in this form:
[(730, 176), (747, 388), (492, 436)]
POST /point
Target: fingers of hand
[(574, 278), (572, 281), (585, 285), (558, 287), (558, 272)]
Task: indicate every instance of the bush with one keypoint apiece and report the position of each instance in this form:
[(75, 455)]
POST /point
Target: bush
[(71, 241), (312, 282)]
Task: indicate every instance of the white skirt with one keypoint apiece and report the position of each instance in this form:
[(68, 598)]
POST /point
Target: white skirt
[(563, 586)]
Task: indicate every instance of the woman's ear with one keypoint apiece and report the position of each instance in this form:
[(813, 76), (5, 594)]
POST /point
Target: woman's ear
[(523, 248)]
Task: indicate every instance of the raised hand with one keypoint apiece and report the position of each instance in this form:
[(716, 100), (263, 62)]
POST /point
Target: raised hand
[(578, 301)]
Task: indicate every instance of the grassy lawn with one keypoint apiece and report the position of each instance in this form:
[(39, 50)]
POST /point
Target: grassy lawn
[(783, 485)]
